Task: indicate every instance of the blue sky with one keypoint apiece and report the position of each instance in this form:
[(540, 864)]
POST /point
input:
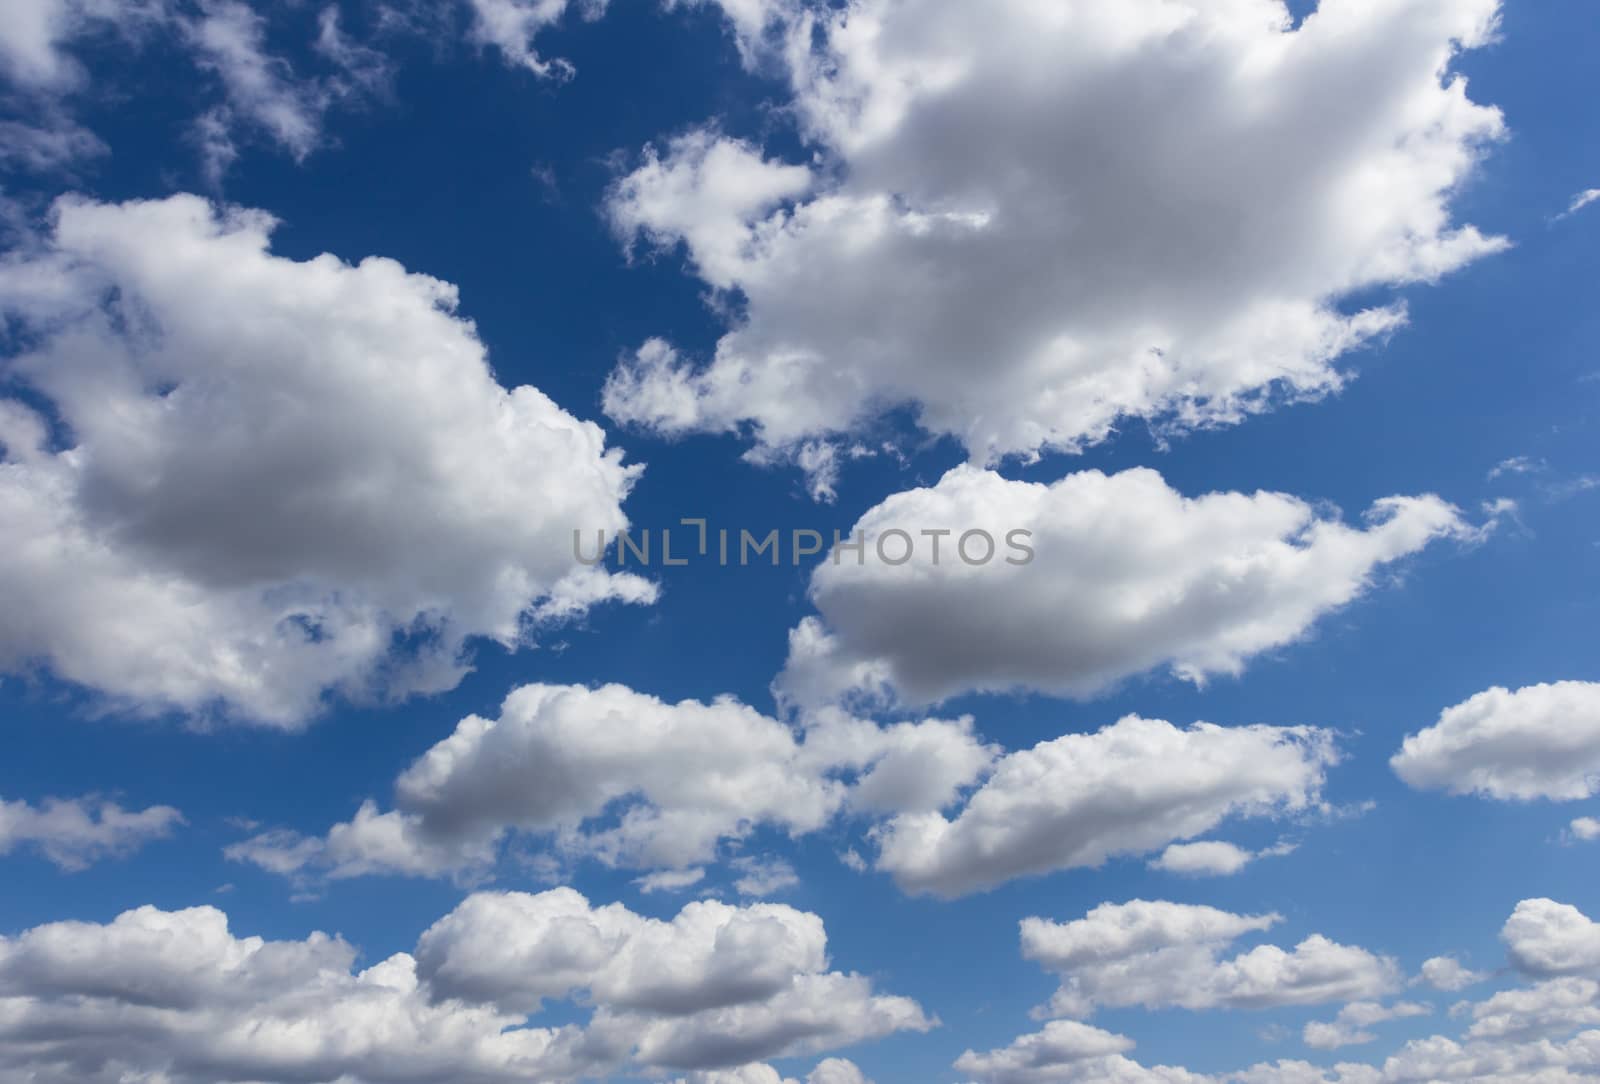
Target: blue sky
[(1033, 223)]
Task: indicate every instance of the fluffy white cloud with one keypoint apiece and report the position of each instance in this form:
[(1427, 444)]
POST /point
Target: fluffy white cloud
[(1545, 1033), (1447, 973), (1211, 858), (1017, 220), (1127, 575), (76, 832), (827, 1071), (1155, 954), (1349, 1028), (176, 997), (1067, 1052), (1541, 741), (1584, 828), (1545, 938), (1535, 1012), (633, 781), (1068, 802), (515, 950), (272, 480)]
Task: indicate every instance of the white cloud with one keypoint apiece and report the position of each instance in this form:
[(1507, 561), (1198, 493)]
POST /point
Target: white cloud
[(1066, 803), (229, 40), (512, 25), (1584, 828), (1127, 576), (1541, 741), (1157, 954), (1016, 219), (1067, 1052), (670, 880), (762, 876), (286, 480), (1146, 952), (74, 833), (1211, 858), (1545, 939), (1579, 202), (1544, 1009), (1349, 1028), (176, 997), (632, 781), (827, 1071), (1447, 973), (35, 33)]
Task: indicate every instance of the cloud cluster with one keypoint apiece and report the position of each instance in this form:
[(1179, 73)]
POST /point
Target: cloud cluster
[(633, 781), (262, 481), (176, 996), (1159, 954), (1542, 741), (1017, 222), (252, 90), (1128, 575), (1547, 1032), (75, 832), (1350, 1027)]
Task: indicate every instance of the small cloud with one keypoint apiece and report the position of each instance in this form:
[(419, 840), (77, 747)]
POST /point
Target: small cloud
[(1517, 464), (1212, 858), (1447, 973), (670, 880), (1583, 829), (763, 876), (1579, 202)]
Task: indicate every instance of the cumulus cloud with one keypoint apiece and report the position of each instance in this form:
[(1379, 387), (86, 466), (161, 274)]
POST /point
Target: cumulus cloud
[(1448, 974), (633, 781), (76, 832), (1159, 954), (1016, 220), (1351, 1026), (1066, 803), (1548, 1032), (1541, 741), (1544, 938), (176, 996), (1067, 1052), (1211, 858), (1127, 575), (267, 481), (1584, 828)]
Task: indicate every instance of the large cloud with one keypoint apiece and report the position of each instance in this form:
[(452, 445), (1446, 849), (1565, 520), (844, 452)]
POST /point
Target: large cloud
[(1030, 220), (634, 781), (1542, 741), (1130, 788), (175, 996), (1155, 954), (1127, 575), (262, 480)]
